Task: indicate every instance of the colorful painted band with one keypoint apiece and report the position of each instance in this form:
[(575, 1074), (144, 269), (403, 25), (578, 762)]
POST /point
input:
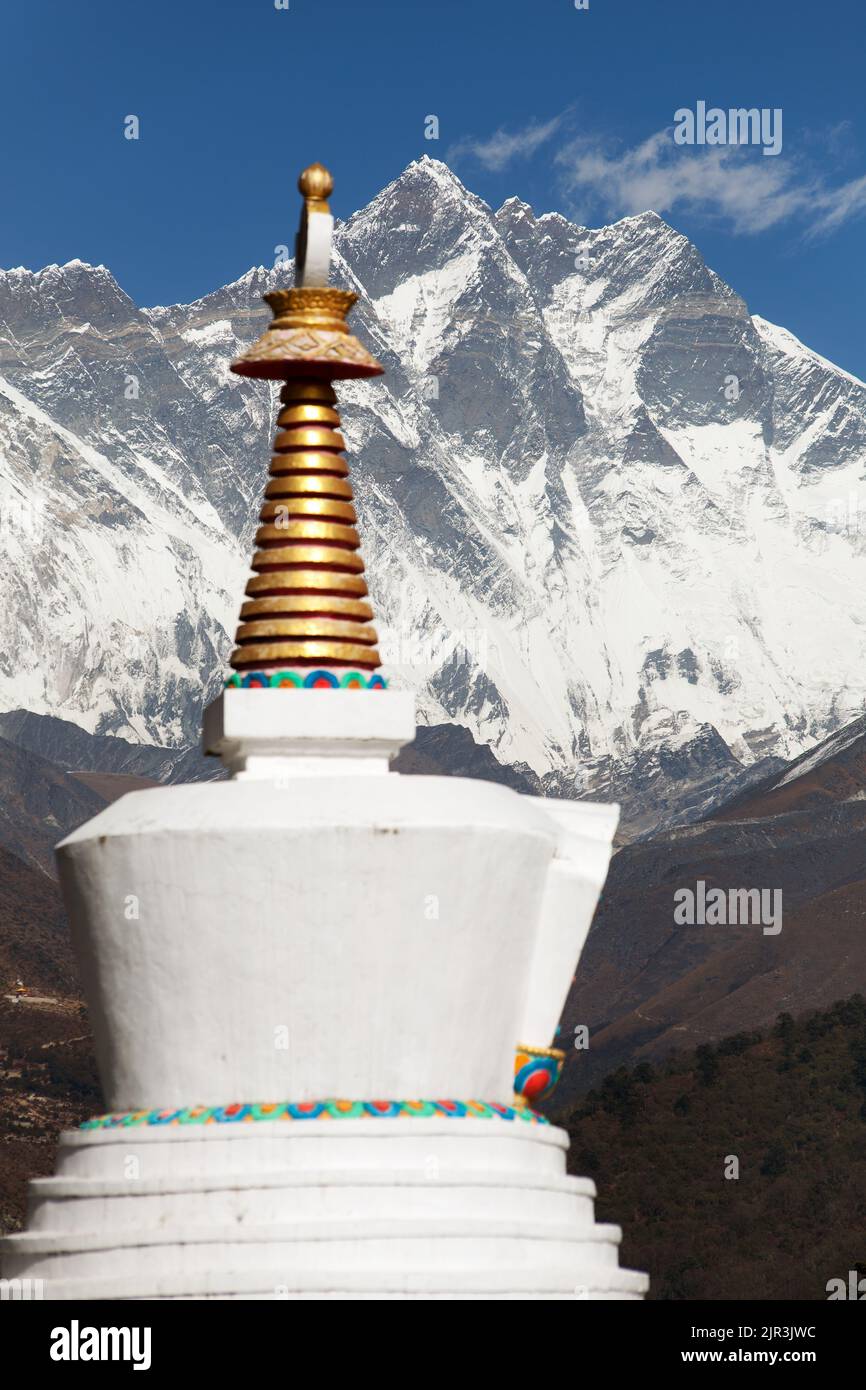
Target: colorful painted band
[(315, 1110), (536, 1072), (306, 680)]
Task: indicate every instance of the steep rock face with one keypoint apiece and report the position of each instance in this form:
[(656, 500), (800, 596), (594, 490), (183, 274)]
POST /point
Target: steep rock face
[(110, 539), (605, 511)]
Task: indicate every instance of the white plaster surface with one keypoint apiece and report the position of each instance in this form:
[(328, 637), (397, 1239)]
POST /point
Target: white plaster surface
[(456, 1208), (269, 733), (307, 937), (317, 928), (574, 881)]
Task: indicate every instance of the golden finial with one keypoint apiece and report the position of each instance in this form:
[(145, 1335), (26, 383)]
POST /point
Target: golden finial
[(316, 184), (309, 336)]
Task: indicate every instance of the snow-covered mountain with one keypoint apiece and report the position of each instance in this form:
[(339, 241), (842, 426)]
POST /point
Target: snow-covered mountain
[(611, 520)]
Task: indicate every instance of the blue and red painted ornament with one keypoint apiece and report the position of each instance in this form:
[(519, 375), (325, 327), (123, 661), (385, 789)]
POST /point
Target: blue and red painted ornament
[(320, 679), (536, 1072)]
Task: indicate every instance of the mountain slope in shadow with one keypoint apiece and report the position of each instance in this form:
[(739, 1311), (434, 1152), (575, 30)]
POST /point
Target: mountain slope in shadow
[(646, 984)]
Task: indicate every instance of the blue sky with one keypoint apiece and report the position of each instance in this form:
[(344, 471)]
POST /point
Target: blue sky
[(570, 110)]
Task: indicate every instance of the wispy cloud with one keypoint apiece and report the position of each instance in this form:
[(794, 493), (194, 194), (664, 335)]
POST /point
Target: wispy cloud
[(731, 184), (839, 205), (724, 182), (497, 151)]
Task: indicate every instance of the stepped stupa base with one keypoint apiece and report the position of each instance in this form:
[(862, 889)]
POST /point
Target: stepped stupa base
[(396, 1208)]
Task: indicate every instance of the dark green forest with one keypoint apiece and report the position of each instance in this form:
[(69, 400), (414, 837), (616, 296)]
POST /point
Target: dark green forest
[(790, 1107)]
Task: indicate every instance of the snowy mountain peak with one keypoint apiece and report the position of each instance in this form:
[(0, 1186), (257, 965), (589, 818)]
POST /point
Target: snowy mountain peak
[(515, 210), (610, 520), (53, 271), (434, 169)]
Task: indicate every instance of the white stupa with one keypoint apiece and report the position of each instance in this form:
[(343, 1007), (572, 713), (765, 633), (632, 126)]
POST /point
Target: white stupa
[(308, 984)]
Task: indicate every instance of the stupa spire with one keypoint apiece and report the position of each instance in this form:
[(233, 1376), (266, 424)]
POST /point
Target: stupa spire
[(307, 621)]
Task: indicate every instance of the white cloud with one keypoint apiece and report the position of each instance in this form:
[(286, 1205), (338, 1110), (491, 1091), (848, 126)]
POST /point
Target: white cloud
[(840, 205), (500, 149), (725, 181)]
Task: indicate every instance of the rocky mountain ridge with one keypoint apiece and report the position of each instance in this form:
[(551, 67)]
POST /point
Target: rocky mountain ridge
[(611, 521)]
